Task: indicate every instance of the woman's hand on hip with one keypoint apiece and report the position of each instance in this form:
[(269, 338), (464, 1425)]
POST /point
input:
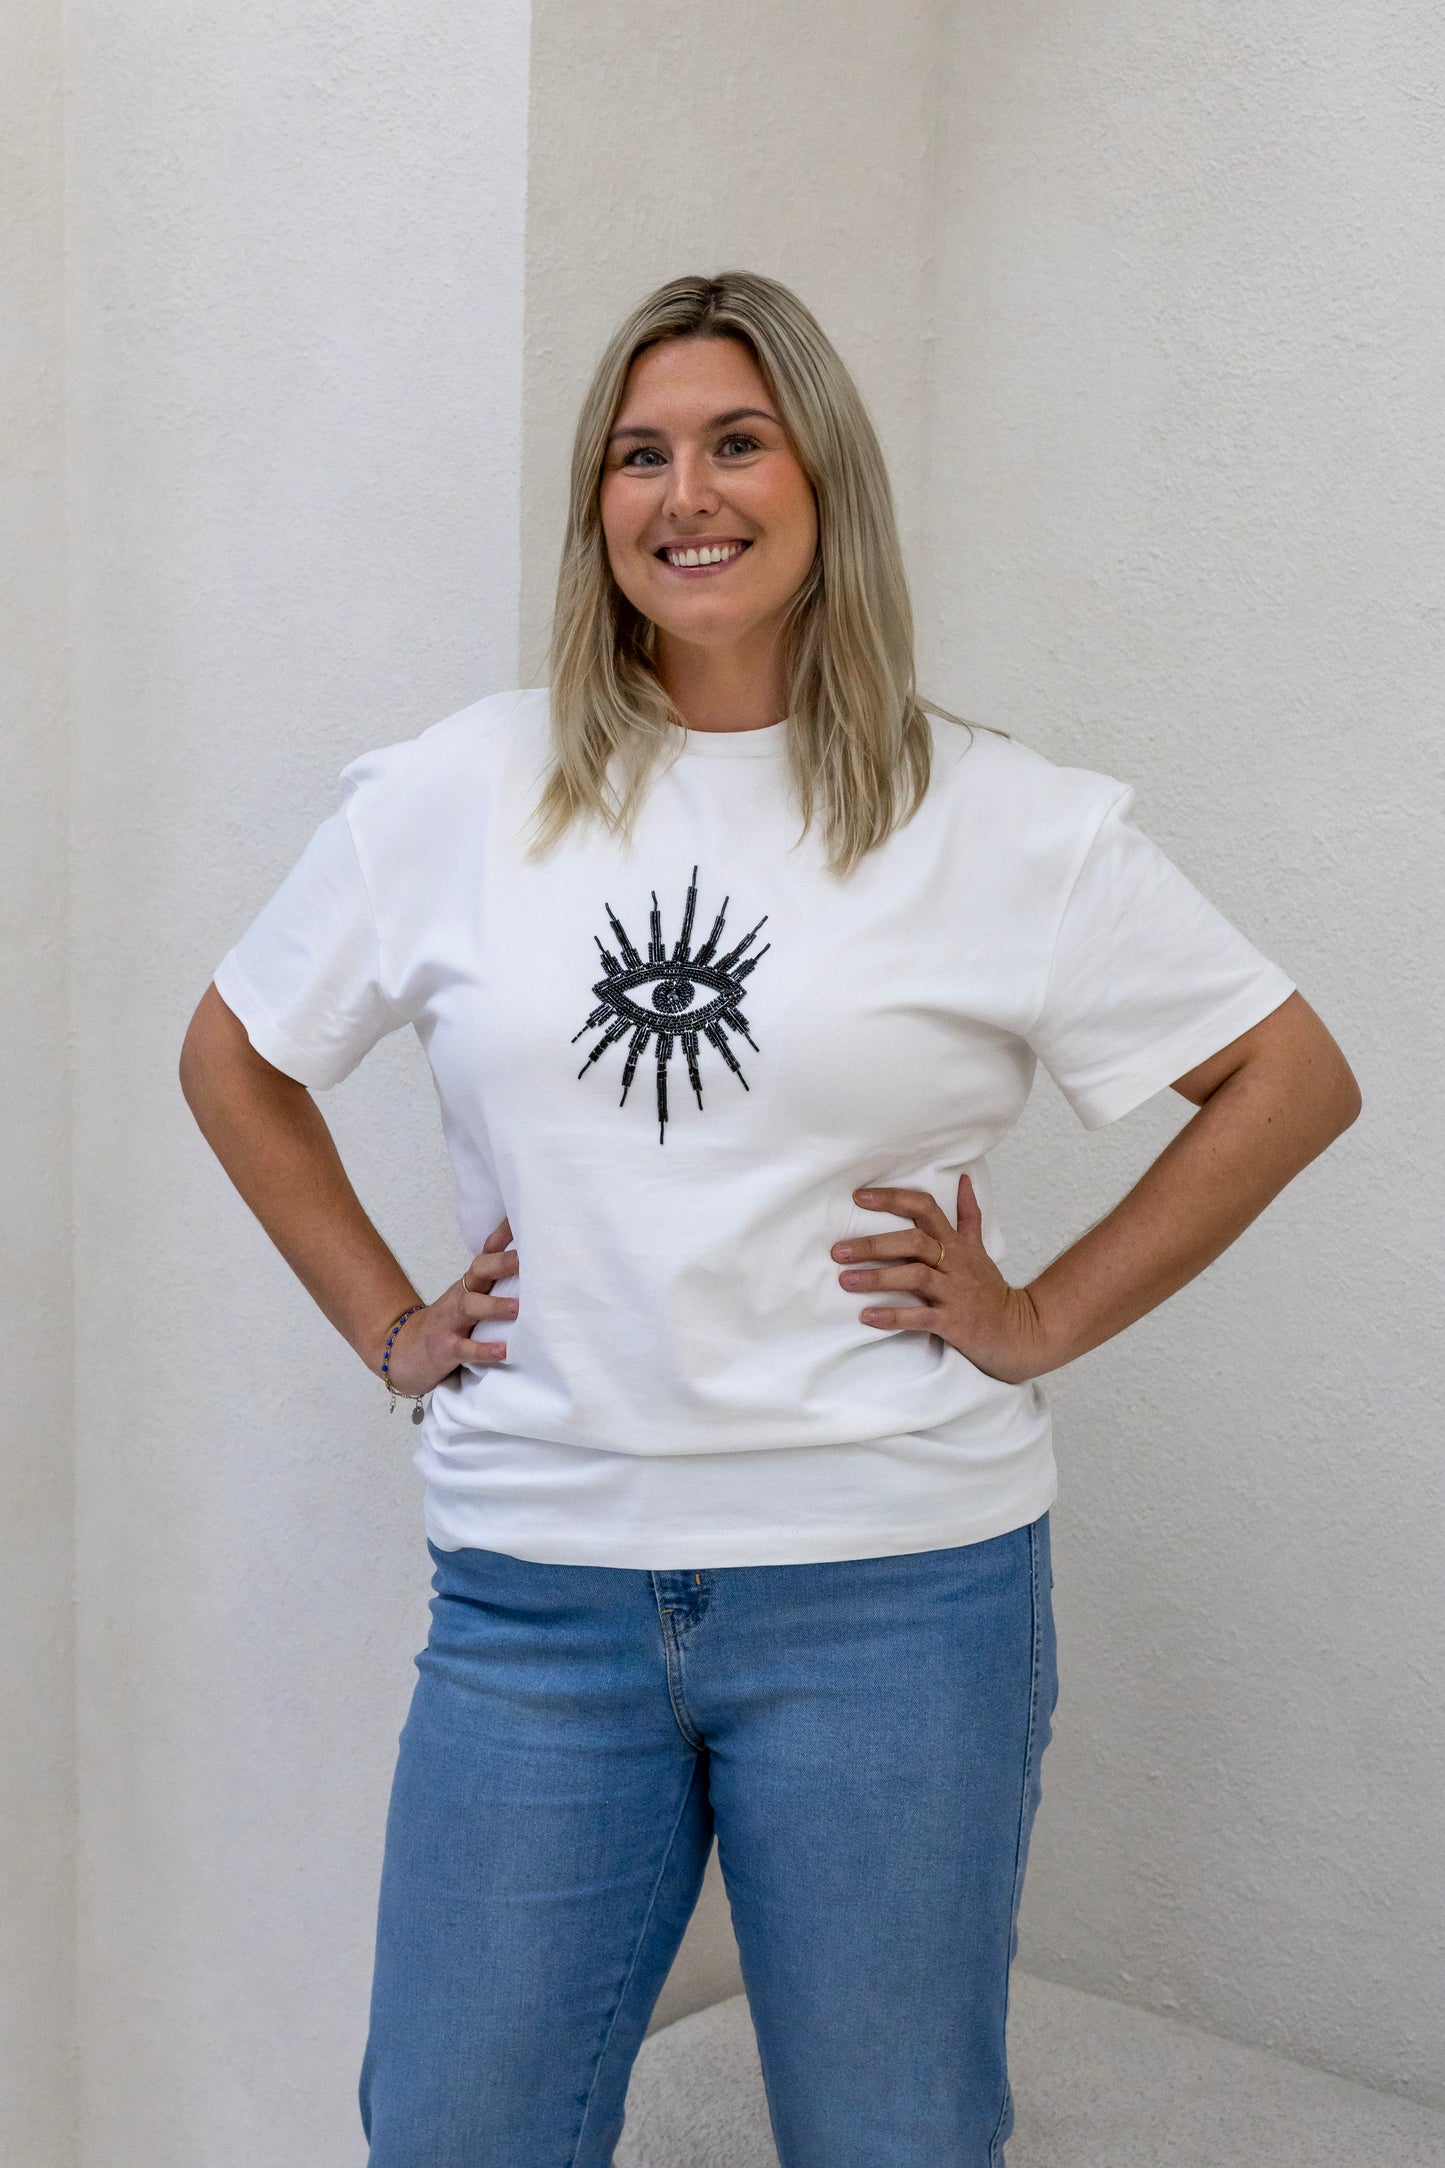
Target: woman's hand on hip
[(957, 1289), (437, 1339)]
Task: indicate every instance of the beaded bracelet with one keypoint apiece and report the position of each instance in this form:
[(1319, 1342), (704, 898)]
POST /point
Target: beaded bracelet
[(415, 1398)]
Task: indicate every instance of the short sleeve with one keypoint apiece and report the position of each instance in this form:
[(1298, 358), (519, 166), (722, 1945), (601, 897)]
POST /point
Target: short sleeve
[(1147, 978), (305, 976)]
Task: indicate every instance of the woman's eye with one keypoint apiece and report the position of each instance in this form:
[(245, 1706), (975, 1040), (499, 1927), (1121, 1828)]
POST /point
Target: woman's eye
[(749, 444), (643, 451)]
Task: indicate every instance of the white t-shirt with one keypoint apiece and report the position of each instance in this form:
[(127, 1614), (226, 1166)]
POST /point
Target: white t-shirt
[(670, 1067)]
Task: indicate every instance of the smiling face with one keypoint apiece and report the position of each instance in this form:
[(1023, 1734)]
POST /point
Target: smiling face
[(709, 518)]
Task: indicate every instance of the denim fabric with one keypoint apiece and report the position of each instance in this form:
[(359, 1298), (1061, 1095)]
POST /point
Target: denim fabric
[(863, 1736)]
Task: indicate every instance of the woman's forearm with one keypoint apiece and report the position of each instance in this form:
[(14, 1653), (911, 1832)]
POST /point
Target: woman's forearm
[(1251, 1136), (272, 1139)]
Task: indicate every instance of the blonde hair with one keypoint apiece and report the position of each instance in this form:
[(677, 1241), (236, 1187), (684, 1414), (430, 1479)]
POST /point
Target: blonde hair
[(858, 736)]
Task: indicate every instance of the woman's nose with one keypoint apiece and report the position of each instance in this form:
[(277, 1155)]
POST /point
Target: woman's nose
[(692, 490)]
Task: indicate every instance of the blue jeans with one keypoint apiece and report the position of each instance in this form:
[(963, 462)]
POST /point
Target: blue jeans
[(864, 1738)]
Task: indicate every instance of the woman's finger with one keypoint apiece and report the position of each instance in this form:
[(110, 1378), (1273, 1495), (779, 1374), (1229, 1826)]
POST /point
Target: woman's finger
[(481, 1351), (918, 1205), (488, 1309), (908, 1242), (490, 1266), (901, 1320), (912, 1279), (970, 1212)]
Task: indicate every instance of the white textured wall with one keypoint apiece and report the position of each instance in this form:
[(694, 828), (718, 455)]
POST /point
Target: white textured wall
[(36, 1687), (296, 279), (1188, 517)]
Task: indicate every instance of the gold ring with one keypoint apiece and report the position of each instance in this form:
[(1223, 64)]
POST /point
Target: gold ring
[(468, 1285), (939, 1266)]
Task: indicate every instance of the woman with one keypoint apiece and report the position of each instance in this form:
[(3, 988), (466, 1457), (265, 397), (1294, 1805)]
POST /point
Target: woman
[(733, 960)]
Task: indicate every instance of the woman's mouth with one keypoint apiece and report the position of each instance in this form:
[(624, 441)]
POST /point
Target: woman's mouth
[(696, 557)]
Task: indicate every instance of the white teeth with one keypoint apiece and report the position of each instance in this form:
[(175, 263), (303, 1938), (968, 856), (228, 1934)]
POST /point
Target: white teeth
[(708, 555)]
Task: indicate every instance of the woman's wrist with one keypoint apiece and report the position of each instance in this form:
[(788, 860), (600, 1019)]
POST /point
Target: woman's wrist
[(388, 1377), (373, 1350)]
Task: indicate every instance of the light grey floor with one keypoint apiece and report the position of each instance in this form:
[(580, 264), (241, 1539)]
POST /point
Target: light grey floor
[(1096, 2085)]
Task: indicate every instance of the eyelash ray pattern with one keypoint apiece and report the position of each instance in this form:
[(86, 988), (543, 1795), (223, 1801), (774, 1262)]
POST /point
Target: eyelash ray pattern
[(673, 982)]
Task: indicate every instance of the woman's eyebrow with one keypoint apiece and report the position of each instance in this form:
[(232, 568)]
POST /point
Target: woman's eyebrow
[(719, 421)]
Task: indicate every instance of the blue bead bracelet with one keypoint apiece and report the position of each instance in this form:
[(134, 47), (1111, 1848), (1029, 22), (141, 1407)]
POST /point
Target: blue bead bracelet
[(415, 1398)]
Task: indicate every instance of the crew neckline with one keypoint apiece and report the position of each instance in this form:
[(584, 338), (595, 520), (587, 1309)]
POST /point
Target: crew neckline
[(770, 739)]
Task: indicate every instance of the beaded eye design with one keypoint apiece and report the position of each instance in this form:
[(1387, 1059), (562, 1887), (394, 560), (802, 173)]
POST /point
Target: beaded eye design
[(674, 997)]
